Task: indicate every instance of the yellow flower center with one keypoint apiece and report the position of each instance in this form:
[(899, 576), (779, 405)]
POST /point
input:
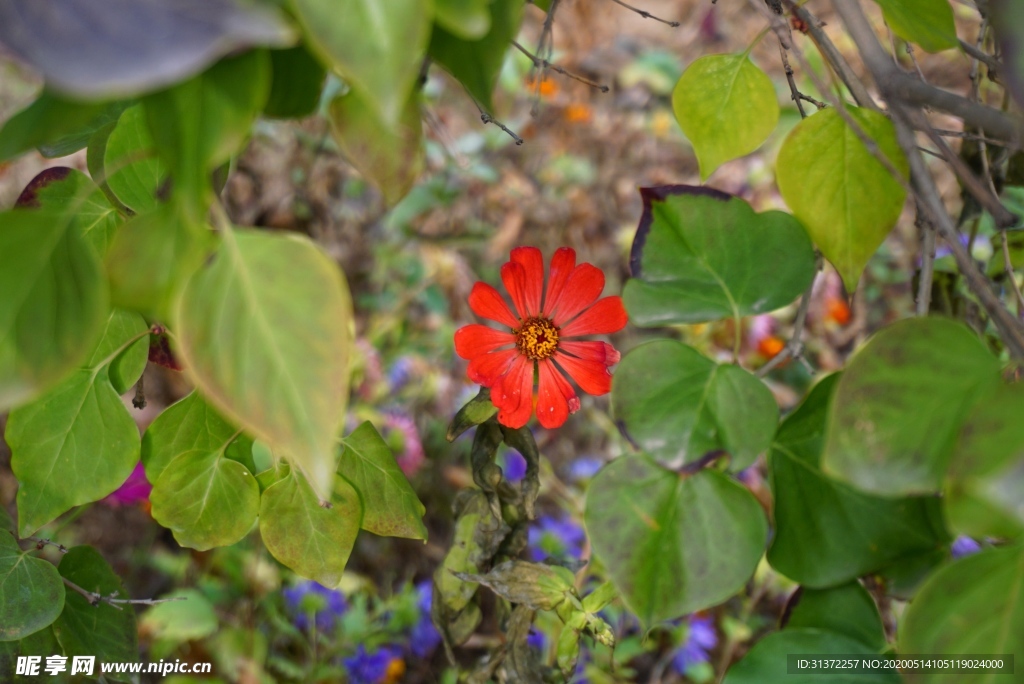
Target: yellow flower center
[(537, 338)]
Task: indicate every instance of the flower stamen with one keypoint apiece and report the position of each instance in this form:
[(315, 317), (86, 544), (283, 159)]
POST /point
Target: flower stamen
[(537, 338)]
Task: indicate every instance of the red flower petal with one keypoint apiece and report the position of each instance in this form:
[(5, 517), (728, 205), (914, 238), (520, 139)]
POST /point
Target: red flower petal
[(486, 370), (533, 265), (602, 352), (514, 394), (582, 289), (606, 316), (556, 398), (592, 376), (473, 340), (562, 264), (486, 302), (514, 277)]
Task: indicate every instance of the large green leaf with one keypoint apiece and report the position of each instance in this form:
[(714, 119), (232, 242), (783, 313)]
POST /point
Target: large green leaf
[(673, 543), (152, 256), (296, 82), (701, 255), (77, 443), (101, 630), (847, 609), (768, 661), (31, 591), (53, 306), (265, 331), (838, 189), (726, 106), (477, 63), (390, 506), (826, 532), (900, 404), (678, 405), (69, 192), (467, 19), (132, 170), (190, 426), (376, 46), (206, 499), (929, 23), (312, 539), (390, 155), (972, 606), (197, 125), (55, 120), (41, 643)]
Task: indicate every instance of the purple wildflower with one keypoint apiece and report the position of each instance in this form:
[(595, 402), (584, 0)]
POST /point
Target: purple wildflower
[(424, 637), (700, 639), (536, 639), (964, 546), (308, 598), (369, 667), (400, 373), (558, 537), (412, 456), (513, 465), (134, 490)]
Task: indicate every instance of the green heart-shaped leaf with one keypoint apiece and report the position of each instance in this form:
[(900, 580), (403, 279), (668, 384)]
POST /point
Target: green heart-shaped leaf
[(900, 404), (264, 330), (53, 306), (838, 189), (768, 663), (313, 540), (678, 405), (297, 80), (701, 255), (826, 532), (70, 192), (31, 592), (104, 631), (133, 171), (973, 605), (847, 609), (390, 506), (726, 106), (77, 443), (673, 543)]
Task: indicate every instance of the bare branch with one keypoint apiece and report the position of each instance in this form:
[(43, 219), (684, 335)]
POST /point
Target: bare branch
[(545, 64), (794, 349), (924, 285), (96, 599), (645, 14), (982, 56)]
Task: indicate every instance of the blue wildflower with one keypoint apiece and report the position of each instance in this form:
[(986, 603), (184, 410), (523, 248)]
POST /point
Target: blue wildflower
[(424, 637), (370, 667), (537, 640), (400, 373), (964, 546), (513, 465), (584, 468), (309, 599), (700, 639), (557, 537)]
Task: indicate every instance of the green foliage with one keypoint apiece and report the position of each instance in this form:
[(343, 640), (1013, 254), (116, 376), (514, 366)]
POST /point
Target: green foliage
[(108, 632), (390, 506), (847, 609), (929, 23), (766, 663), (981, 593), (826, 531), (900, 403), (726, 106), (678, 405), (264, 329), (701, 255), (845, 197), (62, 125), (673, 542), (130, 166), (55, 439), (70, 193), (31, 592), (295, 83)]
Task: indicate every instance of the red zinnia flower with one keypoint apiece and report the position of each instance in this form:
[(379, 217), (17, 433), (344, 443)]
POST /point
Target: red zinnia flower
[(540, 342)]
